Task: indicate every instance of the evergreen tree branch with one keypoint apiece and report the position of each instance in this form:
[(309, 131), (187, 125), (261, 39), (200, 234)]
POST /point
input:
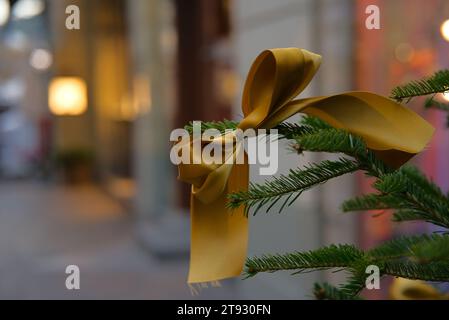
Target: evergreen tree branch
[(357, 281), (324, 258), (340, 141), (333, 141), (410, 193), (432, 103), (287, 186), (221, 126), (287, 130), (424, 257), (421, 248), (372, 201), (326, 291), (426, 185), (314, 122), (431, 249), (437, 83), (435, 271)]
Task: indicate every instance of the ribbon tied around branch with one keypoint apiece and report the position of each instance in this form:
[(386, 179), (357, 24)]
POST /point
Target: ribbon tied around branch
[(219, 237)]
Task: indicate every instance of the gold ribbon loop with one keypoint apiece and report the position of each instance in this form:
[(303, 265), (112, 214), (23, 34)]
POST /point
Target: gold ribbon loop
[(219, 237)]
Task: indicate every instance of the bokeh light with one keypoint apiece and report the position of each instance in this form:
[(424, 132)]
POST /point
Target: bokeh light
[(26, 9), (67, 96), (41, 59), (445, 30)]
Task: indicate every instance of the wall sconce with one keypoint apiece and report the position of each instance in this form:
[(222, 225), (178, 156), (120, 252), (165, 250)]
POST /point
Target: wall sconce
[(67, 96)]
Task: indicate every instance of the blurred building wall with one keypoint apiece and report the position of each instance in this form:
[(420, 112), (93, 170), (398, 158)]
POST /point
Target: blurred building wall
[(153, 42)]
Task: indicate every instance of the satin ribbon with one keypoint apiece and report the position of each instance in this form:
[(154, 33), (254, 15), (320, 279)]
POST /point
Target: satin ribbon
[(406, 289), (219, 237)]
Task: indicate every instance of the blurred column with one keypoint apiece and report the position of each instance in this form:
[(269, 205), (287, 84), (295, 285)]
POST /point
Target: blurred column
[(153, 46)]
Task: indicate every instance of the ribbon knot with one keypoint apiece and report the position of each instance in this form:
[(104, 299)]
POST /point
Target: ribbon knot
[(219, 237)]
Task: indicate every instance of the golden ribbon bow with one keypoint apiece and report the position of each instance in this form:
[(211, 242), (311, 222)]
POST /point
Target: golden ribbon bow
[(218, 237)]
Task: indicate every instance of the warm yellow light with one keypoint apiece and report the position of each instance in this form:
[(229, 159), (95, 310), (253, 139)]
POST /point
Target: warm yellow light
[(445, 30), (67, 96)]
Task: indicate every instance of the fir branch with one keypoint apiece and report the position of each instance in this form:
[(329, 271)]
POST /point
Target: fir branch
[(415, 176), (421, 248), (436, 248), (326, 291), (357, 281), (314, 122), (435, 271), (340, 141), (306, 125), (287, 187), (409, 192), (392, 183), (287, 130), (292, 185), (333, 141), (424, 257), (221, 126), (432, 209), (421, 213), (437, 83), (432, 103), (407, 215), (372, 201), (292, 131), (320, 259)]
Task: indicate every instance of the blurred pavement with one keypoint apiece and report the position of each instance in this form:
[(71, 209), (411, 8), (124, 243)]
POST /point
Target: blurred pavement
[(44, 228)]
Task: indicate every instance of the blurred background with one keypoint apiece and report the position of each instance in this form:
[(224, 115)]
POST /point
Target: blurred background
[(87, 181)]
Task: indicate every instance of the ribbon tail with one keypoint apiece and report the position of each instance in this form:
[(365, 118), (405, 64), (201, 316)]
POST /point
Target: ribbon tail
[(407, 289), (219, 237)]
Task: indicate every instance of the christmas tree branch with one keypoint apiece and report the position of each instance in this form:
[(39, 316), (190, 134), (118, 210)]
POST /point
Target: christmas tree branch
[(435, 271), (437, 83), (286, 130), (408, 191), (289, 187), (326, 291), (323, 258), (422, 248), (424, 257), (313, 135), (221, 126)]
